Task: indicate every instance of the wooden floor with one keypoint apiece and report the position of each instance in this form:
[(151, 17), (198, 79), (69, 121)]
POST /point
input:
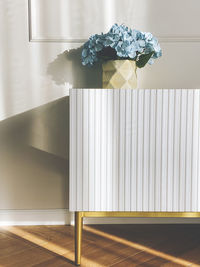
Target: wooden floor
[(103, 245)]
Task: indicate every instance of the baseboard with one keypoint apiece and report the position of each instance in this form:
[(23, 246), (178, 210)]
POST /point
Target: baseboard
[(35, 217), (63, 217)]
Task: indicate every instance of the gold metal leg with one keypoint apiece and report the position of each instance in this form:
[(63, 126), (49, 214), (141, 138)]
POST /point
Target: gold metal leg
[(78, 236), (79, 215)]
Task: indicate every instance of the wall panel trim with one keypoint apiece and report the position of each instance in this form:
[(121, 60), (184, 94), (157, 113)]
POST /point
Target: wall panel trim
[(43, 39)]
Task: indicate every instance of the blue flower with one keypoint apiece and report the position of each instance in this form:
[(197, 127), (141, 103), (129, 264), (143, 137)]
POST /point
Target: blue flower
[(125, 43)]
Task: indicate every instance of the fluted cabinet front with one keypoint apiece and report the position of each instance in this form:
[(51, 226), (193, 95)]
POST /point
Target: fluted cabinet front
[(134, 150)]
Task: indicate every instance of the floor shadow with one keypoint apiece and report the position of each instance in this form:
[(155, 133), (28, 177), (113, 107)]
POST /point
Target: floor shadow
[(67, 68), (166, 238)]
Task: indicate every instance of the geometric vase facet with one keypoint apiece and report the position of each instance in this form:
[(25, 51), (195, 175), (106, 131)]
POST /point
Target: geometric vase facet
[(119, 74)]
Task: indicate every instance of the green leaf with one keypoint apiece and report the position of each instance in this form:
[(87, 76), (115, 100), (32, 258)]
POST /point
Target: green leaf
[(143, 59)]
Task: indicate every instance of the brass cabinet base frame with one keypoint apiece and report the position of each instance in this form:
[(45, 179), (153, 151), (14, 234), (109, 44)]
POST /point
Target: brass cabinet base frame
[(79, 215)]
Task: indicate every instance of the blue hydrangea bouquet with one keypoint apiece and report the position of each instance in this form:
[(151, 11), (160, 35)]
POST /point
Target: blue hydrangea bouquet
[(121, 43), (119, 46)]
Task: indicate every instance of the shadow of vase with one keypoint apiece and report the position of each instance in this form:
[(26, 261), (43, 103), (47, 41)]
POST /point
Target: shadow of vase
[(68, 69)]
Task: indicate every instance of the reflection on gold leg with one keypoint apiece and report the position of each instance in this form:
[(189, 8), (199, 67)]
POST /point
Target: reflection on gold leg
[(78, 236)]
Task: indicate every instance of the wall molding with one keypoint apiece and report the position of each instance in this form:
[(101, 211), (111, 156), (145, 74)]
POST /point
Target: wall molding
[(162, 39), (35, 39), (46, 39), (179, 38), (64, 217)]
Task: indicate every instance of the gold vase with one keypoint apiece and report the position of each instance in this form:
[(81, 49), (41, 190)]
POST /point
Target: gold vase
[(119, 74)]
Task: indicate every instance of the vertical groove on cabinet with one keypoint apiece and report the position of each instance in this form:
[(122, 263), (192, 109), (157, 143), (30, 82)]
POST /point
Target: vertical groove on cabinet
[(149, 153), (143, 171), (195, 151), (79, 148), (192, 157), (107, 158), (140, 151), (115, 148), (85, 151), (118, 158), (198, 157), (189, 150), (91, 143), (154, 159), (186, 130), (121, 148), (97, 178), (103, 150), (152, 149), (173, 149), (146, 149), (177, 134), (179, 164), (183, 149), (192, 151), (158, 150), (131, 151), (73, 158), (164, 126), (134, 150), (134, 133), (109, 147), (161, 155), (170, 150), (136, 181), (127, 192), (167, 150), (71, 154), (95, 148)]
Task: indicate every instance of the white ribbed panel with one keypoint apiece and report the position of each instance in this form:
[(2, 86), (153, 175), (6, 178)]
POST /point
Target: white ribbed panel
[(134, 150)]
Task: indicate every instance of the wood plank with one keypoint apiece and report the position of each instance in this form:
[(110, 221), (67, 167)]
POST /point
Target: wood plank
[(136, 260), (106, 256), (55, 262), (155, 262), (27, 258), (9, 246)]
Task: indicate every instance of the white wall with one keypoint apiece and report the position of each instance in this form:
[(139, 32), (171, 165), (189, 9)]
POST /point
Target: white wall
[(35, 77)]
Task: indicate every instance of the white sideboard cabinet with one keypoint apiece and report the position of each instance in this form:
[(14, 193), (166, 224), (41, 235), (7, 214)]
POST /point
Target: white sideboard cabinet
[(134, 153)]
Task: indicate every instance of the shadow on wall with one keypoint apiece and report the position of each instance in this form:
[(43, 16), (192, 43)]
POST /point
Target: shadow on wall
[(67, 68), (49, 128), (45, 128), (34, 158)]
